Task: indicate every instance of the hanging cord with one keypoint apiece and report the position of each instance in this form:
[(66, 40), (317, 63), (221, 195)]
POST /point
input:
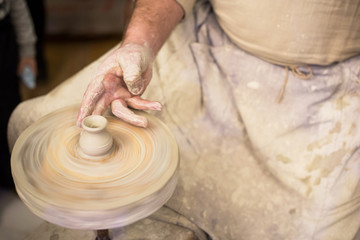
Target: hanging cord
[(295, 70)]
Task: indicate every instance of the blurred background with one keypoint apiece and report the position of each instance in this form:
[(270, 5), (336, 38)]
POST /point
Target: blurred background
[(71, 34)]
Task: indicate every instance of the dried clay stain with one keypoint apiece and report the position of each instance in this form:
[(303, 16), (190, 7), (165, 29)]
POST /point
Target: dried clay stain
[(352, 129), (283, 159), (324, 164), (319, 144), (336, 129), (340, 103), (309, 184), (305, 180), (327, 163), (325, 140)]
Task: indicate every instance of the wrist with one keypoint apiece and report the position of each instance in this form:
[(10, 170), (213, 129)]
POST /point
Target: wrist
[(140, 36)]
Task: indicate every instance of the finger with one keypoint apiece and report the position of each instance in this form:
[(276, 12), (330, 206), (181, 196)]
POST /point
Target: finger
[(120, 110), (91, 96), (110, 65), (133, 80), (143, 104), (100, 106), (115, 87)]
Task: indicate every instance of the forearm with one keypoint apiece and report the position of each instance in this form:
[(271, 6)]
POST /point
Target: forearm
[(152, 22)]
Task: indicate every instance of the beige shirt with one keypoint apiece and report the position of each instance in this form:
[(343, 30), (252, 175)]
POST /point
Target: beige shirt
[(291, 32)]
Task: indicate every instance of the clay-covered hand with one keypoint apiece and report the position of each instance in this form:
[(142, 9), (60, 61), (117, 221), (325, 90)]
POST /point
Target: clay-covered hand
[(120, 80)]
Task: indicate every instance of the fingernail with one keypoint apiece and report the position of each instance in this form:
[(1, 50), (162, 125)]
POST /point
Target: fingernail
[(157, 106), (136, 90), (142, 123)]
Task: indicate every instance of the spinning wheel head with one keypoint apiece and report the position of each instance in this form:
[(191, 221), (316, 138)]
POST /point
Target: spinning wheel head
[(65, 180)]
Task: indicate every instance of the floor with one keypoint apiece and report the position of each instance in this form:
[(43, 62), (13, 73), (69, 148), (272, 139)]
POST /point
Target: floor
[(65, 56), (16, 221)]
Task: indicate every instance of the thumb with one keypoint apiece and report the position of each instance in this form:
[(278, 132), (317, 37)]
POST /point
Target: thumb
[(133, 79), (135, 62)]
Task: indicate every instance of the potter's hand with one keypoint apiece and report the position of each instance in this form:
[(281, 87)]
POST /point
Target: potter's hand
[(120, 80)]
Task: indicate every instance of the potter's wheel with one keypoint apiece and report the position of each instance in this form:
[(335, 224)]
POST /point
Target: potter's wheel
[(62, 186)]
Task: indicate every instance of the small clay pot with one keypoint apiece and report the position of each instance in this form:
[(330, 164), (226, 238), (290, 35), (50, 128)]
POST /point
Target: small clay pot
[(95, 140)]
